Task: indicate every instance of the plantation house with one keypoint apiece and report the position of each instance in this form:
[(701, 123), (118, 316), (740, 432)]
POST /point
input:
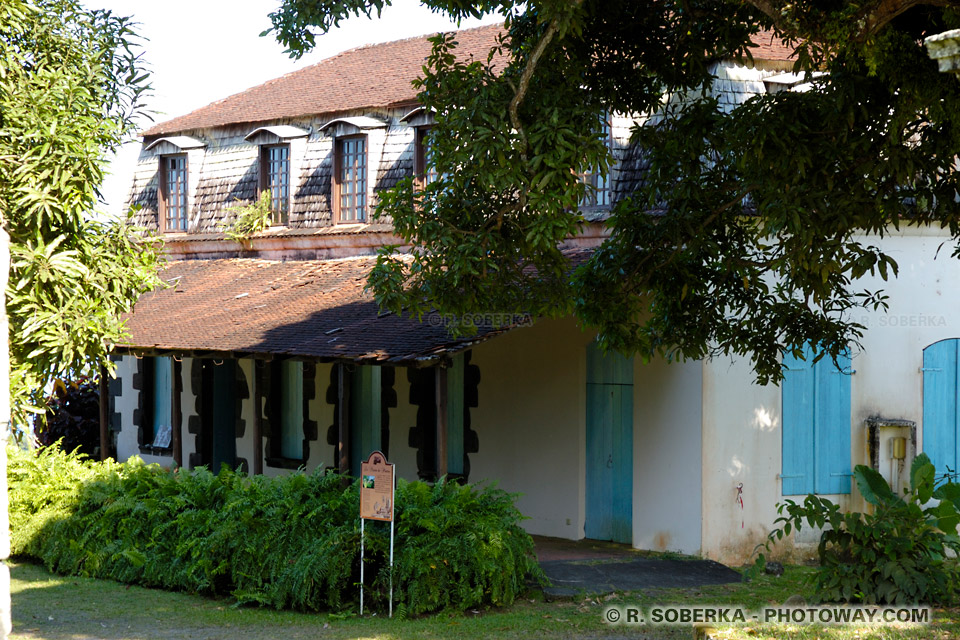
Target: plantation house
[(269, 356)]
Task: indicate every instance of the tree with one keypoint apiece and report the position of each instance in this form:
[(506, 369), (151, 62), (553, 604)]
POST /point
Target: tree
[(744, 237), (70, 90), (70, 87)]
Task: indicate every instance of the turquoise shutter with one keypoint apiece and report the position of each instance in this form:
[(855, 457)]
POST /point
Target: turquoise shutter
[(291, 411), (940, 404), (832, 470), (798, 425)]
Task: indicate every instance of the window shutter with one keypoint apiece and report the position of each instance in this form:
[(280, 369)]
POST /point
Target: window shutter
[(291, 411), (940, 403), (798, 420), (455, 415), (832, 434)]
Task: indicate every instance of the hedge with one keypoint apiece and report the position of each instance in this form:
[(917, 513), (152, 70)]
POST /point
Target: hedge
[(287, 542)]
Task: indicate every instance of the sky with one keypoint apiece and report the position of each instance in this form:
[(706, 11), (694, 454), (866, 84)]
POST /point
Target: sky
[(199, 51)]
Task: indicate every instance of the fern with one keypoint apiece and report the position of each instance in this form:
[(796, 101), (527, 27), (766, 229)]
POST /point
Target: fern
[(290, 542)]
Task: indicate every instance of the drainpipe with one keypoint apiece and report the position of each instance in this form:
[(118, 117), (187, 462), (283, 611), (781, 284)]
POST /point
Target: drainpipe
[(945, 49)]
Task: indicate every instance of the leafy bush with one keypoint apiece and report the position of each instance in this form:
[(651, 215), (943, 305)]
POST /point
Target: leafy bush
[(287, 542), (897, 554), (72, 417)]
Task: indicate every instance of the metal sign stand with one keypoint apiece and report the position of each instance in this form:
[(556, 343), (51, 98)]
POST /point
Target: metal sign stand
[(377, 492)]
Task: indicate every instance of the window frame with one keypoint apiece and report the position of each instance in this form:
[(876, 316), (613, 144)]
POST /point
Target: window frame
[(362, 176), (279, 207), (596, 197), (163, 200)]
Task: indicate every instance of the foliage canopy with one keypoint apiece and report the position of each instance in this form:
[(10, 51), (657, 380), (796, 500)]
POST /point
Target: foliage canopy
[(70, 88), (748, 234)]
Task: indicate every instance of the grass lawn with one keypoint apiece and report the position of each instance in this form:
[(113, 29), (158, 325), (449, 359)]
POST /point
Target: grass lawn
[(56, 607)]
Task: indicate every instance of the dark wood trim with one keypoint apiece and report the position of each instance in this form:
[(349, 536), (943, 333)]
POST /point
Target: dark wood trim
[(104, 415), (176, 412), (335, 183), (441, 396)]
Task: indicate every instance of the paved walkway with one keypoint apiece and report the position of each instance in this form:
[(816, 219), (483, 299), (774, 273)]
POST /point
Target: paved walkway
[(591, 566)]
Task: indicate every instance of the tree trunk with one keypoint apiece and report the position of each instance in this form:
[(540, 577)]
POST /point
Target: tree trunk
[(5, 621)]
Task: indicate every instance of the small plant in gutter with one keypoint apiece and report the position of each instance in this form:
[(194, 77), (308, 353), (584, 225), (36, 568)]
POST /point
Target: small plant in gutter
[(247, 220)]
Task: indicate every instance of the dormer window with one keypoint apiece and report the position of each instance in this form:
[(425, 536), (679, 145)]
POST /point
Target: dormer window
[(351, 152), (597, 193), (350, 187), (276, 161), (275, 179), (173, 192), (173, 179), (425, 167)]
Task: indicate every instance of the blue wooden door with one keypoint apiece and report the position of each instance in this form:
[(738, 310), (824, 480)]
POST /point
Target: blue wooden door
[(609, 481), (940, 419)]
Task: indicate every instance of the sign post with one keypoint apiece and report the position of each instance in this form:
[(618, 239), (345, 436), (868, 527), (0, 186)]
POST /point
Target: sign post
[(377, 484)]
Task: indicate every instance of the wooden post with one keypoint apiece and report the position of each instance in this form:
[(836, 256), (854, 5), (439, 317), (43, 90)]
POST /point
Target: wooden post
[(104, 415), (343, 421), (258, 419), (176, 412), (441, 396)]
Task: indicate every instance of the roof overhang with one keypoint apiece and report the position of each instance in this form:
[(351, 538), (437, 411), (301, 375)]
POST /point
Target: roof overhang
[(798, 82), (352, 125), (181, 143), (314, 310), (275, 134), (419, 117)]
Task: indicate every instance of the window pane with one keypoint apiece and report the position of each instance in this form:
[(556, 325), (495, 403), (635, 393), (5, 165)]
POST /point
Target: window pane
[(278, 181)]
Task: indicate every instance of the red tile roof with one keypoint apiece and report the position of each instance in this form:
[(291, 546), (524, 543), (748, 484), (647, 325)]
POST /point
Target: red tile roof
[(309, 308), (376, 75)]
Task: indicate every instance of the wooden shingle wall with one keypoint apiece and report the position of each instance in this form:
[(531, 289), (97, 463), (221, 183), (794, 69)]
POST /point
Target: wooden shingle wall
[(226, 172)]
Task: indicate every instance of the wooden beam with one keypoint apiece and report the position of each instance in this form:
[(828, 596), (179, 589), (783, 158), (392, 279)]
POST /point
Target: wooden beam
[(343, 422), (104, 415), (176, 413), (441, 396)]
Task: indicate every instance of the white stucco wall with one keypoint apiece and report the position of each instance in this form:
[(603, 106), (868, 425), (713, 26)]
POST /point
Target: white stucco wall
[(530, 423), (666, 458), (741, 425)]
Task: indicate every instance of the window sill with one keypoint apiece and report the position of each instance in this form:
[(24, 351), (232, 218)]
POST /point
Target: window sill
[(286, 463), (157, 451)]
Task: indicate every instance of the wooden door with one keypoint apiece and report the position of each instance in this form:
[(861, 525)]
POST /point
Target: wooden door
[(609, 450), (940, 407)]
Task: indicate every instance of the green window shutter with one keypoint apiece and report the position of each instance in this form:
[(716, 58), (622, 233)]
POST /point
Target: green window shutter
[(291, 409), (455, 386), (366, 414)]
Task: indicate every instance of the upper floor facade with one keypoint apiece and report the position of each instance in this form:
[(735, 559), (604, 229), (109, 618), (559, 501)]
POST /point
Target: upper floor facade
[(322, 143)]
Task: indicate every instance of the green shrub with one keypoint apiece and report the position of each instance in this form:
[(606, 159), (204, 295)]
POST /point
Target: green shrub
[(897, 554), (287, 542)]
